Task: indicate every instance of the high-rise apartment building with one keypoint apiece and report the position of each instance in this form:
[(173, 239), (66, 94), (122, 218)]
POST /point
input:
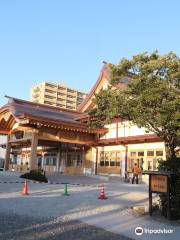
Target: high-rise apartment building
[(57, 95)]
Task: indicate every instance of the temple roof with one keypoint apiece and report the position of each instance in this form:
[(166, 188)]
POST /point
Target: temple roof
[(17, 110), (104, 78)]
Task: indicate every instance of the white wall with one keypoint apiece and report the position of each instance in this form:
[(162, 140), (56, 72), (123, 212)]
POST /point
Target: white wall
[(125, 129), (149, 146)]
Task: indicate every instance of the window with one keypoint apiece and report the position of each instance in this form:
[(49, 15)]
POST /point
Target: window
[(49, 97), (61, 99), (61, 94), (156, 163), (140, 154), (19, 134), (106, 158), (69, 161), (13, 159), (136, 157), (133, 154), (50, 85), (150, 165), (106, 163), (61, 88), (54, 161), (101, 158), (70, 107), (102, 155), (81, 95), (141, 163), (68, 101), (150, 153), (71, 91), (47, 102), (101, 163), (50, 91), (112, 163), (50, 159), (111, 158), (79, 160), (159, 153), (105, 86), (80, 99), (70, 96), (118, 163), (74, 159), (60, 105), (131, 163), (118, 158)]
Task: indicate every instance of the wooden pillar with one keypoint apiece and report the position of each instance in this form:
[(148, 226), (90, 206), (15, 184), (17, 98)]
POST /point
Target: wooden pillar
[(66, 156), (83, 156), (145, 165), (96, 163), (126, 161), (33, 156), (150, 196), (168, 198), (7, 154), (58, 163)]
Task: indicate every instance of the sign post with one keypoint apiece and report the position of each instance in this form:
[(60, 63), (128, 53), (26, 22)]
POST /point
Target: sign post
[(159, 183)]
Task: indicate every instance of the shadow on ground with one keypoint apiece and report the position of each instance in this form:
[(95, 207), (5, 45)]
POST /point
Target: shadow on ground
[(18, 227)]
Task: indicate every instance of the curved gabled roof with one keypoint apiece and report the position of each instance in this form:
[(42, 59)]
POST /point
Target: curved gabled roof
[(17, 110), (105, 73), (105, 76)]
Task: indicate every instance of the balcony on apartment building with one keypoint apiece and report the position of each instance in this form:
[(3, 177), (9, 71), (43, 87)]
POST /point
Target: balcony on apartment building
[(61, 89), (51, 87)]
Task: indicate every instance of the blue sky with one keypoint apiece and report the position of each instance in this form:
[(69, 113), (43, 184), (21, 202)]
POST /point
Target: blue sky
[(67, 40)]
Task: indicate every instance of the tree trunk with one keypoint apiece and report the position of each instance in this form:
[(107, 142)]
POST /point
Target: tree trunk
[(170, 150)]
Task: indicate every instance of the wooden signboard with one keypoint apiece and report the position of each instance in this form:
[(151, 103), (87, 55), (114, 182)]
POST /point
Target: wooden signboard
[(159, 183)]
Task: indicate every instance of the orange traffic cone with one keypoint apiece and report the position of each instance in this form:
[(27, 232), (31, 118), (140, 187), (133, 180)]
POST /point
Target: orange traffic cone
[(102, 195), (25, 189)]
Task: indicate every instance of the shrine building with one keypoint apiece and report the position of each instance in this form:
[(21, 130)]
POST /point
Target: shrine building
[(59, 140)]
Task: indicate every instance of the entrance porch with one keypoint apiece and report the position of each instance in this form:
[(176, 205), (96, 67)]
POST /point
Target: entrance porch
[(48, 137)]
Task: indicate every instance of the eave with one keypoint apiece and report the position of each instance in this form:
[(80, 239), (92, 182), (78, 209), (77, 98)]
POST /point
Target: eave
[(78, 127), (129, 140)]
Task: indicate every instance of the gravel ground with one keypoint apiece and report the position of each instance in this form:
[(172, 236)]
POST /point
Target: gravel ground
[(19, 227), (47, 214)]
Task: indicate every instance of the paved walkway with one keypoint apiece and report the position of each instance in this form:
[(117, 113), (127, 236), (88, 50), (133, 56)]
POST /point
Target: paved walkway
[(113, 214)]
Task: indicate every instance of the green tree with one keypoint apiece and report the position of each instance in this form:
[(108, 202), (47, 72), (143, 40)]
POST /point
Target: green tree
[(151, 99)]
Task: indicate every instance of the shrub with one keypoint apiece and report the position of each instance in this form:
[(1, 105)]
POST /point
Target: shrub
[(36, 175), (172, 165)]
